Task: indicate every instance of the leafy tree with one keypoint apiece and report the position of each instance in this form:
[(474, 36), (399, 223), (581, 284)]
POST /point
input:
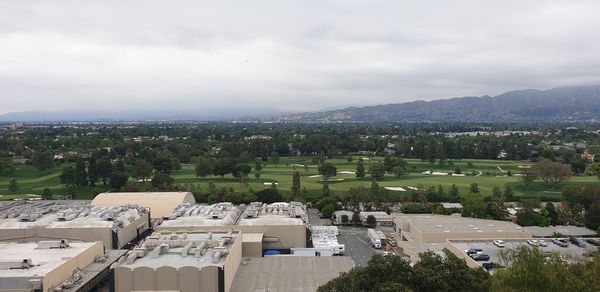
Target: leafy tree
[(275, 158), (258, 165), (67, 177), (526, 216), (399, 170), (163, 163), (269, 196), (13, 186), (241, 170), (43, 160), (296, 184), (118, 179), (105, 168), (204, 166), (474, 188), (377, 171), (328, 210), (533, 270), (349, 158), (360, 168), (6, 166), (141, 170), (552, 172), (545, 219), (509, 194), (92, 170), (80, 176), (457, 170), (223, 166), (327, 170), (163, 182), (529, 175), (552, 214), (371, 221), (454, 193), (496, 192), (47, 194)]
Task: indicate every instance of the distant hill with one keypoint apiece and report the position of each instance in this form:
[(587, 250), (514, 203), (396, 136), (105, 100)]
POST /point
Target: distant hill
[(563, 104)]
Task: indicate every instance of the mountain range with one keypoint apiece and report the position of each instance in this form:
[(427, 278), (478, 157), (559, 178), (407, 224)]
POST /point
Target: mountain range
[(564, 104)]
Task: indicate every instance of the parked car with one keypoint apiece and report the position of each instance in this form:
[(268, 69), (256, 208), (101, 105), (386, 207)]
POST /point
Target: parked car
[(533, 242), (499, 243), (392, 242), (473, 251), (481, 257), (577, 241), (542, 243), (594, 242), (388, 253), (560, 242)]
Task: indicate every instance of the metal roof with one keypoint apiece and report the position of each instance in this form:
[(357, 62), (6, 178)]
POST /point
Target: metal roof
[(161, 204)]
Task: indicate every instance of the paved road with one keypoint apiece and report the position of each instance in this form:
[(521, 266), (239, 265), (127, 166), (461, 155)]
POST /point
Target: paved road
[(357, 244), (313, 218)]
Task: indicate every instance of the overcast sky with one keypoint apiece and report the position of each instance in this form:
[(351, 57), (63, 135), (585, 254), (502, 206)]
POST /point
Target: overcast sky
[(286, 55)]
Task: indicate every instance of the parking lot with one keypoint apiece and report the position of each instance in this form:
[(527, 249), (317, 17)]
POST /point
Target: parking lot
[(313, 218), (572, 252), (357, 244)]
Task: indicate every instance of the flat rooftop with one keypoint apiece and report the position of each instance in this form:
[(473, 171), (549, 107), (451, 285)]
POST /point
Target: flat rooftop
[(456, 224), (288, 273), (181, 249), (43, 260), (202, 215), (293, 213), (538, 231), (49, 214)]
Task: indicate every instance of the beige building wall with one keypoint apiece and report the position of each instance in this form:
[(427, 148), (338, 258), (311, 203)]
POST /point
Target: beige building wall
[(252, 245), (65, 271), (184, 279), (232, 262), (160, 204)]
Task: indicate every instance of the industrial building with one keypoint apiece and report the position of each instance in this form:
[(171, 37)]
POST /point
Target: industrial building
[(115, 227), (197, 261), (201, 217), (159, 204), (417, 233), (381, 218), (288, 273), (264, 226), (53, 266)]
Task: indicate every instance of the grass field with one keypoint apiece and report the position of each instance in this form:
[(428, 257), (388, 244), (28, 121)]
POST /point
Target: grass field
[(493, 173)]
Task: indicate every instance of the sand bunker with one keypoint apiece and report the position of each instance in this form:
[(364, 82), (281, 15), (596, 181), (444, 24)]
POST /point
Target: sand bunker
[(346, 172), (458, 174), (524, 166), (270, 183), (434, 173), (316, 175), (399, 189), (332, 180), (412, 188)]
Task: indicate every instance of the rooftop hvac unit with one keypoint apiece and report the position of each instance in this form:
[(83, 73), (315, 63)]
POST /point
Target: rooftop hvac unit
[(16, 265), (52, 244)]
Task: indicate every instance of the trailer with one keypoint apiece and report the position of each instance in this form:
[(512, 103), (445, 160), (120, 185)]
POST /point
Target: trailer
[(374, 238)]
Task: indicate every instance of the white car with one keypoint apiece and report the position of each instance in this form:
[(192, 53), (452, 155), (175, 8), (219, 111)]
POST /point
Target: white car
[(499, 243), (542, 242), (533, 242)]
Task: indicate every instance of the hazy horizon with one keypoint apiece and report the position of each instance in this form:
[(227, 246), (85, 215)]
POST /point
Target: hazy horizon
[(264, 57)]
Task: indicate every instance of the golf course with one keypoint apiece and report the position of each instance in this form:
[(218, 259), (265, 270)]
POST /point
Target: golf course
[(487, 174)]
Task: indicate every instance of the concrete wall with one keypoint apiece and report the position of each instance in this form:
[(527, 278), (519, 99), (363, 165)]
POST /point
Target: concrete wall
[(252, 249), (232, 262), (461, 255), (130, 232), (65, 271)]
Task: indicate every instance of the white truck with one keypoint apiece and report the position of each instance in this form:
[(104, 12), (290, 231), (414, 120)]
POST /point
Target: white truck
[(374, 238)]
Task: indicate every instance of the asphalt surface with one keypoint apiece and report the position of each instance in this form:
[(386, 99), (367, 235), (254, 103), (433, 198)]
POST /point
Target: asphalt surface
[(357, 244), (313, 218)]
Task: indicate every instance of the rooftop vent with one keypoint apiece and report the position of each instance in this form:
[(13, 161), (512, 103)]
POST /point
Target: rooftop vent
[(16, 265), (52, 244)]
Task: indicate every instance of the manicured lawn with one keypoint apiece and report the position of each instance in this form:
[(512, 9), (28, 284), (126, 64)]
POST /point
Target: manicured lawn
[(493, 173)]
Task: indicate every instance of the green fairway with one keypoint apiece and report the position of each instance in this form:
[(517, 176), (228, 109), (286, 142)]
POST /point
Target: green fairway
[(491, 173)]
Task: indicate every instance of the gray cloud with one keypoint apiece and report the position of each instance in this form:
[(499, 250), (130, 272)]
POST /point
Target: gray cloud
[(286, 55)]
